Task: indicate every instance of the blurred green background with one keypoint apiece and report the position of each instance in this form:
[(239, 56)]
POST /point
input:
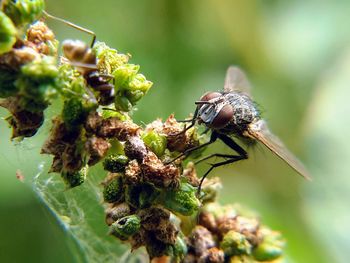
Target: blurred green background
[(297, 55)]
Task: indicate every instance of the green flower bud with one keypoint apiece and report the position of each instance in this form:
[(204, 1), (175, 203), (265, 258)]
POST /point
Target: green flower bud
[(113, 190), (112, 113), (234, 243), (123, 75), (115, 163), (134, 96), (183, 200), (141, 196), (7, 33), (108, 58), (139, 82), (44, 69), (155, 142), (271, 247), (242, 259), (122, 103), (180, 248), (38, 83), (73, 113), (126, 227), (76, 178), (23, 12)]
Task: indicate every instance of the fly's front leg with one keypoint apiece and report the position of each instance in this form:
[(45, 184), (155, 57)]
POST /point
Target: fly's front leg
[(213, 138)]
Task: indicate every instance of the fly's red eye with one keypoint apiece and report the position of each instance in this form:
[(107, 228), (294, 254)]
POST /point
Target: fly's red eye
[(210, 95), (223, 118)]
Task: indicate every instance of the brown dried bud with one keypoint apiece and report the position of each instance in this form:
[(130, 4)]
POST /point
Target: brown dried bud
[(156, 172), (135, 148), (93, 122), (246, 226), (57, 165), (23, 122), (17, 57), (213, 255), (207, 220), (201, 240), (115, 212), (190, 258), (191, 174), (39, 32), (72, 159), (154, 218), (133, 172), (59, 138), (138, 240), (39, 36), (97, 148), (115, 128)]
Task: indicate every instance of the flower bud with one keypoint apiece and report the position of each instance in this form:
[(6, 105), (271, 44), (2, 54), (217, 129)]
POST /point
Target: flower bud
[(183, 200), (23, 12), (140, 196), (234, 243), (125, 227), (271, 246), (7, 33), (155, 142), (113, 190), (115, 163), (76, 178)]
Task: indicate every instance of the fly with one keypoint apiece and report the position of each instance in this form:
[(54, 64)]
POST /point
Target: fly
[(232, 112)]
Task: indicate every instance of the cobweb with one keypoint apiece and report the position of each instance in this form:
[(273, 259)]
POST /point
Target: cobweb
[(80, 213)]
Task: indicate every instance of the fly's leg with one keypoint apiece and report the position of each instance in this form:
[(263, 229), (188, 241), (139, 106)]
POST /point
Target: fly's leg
[(211, 156), (213, 138), (242, 154)]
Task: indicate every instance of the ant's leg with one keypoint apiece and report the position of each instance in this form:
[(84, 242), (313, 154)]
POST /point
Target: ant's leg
[(74, 26), (213, 138)]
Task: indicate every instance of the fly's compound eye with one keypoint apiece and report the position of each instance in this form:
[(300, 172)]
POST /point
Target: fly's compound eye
[(223, 118), (210, 95)]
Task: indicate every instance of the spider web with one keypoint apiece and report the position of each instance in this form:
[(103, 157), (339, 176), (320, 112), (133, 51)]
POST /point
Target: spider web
[(80, 213)]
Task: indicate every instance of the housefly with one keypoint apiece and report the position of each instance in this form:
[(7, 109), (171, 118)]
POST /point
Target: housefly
[(233, 113)]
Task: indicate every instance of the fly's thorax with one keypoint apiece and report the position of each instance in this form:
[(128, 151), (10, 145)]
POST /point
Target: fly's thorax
[(244, 109)]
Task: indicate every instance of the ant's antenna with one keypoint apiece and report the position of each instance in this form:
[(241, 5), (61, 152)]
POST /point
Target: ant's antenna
[(74, 26)]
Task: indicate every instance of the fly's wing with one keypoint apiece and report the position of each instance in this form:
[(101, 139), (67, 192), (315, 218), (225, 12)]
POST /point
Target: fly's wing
[(236, 81), (261, 132)]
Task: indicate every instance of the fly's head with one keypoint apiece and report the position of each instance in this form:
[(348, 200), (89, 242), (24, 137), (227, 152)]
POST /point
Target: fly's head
[(214, 110)]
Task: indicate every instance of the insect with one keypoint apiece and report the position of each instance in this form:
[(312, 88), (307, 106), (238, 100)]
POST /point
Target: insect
[(84, 59), (232, 112)]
